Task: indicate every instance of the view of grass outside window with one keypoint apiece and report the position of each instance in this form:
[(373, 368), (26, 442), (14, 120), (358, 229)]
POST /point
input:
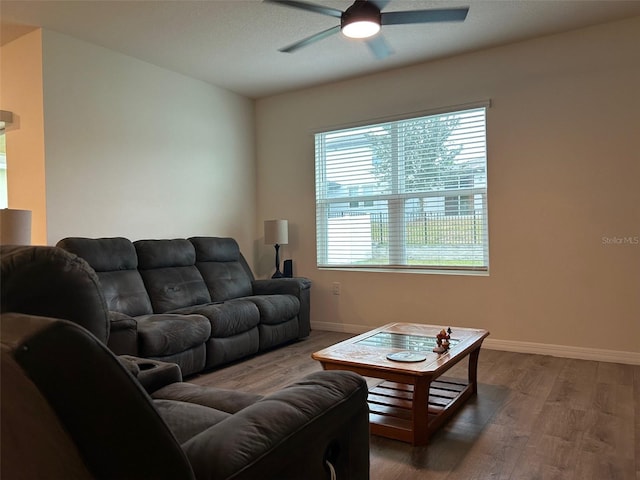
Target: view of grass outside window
[(409, 194)]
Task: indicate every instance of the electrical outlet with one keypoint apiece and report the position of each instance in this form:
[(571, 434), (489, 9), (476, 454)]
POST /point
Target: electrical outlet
[(335, 288)]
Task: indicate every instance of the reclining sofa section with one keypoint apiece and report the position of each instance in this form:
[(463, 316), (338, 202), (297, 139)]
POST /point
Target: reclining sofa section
[(194, 302)]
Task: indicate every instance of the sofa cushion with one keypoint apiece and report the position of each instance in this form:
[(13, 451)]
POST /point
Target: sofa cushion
[(115, 262), (268, 434), (223, 267), (222, 350), (170, 275), (165, 253), (163, 334), (103, 254), (273, 335), (230, 401), (188, 419), (227, 318), (276, 309), (125, 292), (190, 361)]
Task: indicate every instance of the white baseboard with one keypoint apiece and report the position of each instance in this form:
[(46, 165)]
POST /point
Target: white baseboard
[(596, 354), (340, 327)]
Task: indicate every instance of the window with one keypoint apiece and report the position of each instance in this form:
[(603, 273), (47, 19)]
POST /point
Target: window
[(407, 194)]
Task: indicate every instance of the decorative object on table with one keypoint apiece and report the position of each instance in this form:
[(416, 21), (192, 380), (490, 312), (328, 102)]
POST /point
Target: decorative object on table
[(442, 340), (15, 227), (287, 269), (276, 233), (407, 357)]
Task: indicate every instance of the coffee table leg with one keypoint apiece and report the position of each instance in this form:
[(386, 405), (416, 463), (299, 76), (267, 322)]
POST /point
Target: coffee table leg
[(473, 369), (420, 412)]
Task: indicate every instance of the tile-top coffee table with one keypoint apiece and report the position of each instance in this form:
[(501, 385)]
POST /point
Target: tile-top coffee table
[(412, 400)]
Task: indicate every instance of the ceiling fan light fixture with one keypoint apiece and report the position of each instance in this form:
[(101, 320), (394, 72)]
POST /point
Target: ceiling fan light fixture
[(361, 20), (361, 29), (364, 19)]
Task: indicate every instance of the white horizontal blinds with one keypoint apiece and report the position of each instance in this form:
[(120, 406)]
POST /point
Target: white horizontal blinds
[(408, 193)]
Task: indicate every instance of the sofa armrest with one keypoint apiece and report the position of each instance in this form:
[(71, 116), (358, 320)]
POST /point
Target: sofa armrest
[(291, 434), (151, 374), (299, 287), (123, 338)]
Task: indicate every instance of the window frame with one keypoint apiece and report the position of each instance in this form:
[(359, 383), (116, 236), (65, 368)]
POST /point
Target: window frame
[(397, 200)]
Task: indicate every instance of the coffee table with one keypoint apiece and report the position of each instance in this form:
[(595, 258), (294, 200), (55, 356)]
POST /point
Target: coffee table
[(412, 399)]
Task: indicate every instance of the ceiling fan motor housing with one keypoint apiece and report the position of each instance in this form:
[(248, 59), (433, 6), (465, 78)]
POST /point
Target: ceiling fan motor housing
[(361, 11)]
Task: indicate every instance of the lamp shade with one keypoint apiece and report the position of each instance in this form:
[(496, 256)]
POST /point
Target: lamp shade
[(15, 227), (276, 232)]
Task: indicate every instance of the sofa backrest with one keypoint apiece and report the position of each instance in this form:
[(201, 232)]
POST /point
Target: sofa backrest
[(116, 264), (114, 425), (36, 444), (52, 282), (170, 275), (224, 269)]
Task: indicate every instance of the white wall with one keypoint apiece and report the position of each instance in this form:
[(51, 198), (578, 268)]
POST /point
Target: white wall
[(137, 151), (564, 166)]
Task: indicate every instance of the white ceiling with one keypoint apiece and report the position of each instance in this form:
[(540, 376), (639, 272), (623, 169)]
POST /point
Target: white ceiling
[(234, 43)]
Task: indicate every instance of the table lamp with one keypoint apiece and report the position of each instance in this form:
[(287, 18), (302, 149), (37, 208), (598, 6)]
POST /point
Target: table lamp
[(15, 227), (276, 232)]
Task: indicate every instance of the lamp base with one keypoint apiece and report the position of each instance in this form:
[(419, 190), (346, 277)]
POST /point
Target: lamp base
[(278, 273)]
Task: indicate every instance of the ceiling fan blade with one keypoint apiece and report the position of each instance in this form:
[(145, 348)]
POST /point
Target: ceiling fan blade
[(309, 40), (424, 16), (379, 47), (310, 7)]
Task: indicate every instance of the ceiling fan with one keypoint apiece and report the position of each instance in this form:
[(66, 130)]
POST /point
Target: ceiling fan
[(364, 19)]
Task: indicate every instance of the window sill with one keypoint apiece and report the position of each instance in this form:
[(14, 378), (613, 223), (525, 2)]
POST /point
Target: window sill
[(419, 271)]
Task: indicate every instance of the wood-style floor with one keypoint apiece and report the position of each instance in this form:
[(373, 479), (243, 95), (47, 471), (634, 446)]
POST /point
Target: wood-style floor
[(535, 417)]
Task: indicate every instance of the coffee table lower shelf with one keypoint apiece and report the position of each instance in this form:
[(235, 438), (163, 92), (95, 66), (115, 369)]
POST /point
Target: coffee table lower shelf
[(391, 407)]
